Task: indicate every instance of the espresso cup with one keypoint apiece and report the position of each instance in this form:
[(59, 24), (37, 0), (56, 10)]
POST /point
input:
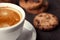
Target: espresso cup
[(12, 32)]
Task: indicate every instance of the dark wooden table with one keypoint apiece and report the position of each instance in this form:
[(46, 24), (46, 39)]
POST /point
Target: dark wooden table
[(54, 8)]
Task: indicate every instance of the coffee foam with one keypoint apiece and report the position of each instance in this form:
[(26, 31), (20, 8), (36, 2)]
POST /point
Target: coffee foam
[(4, 15)]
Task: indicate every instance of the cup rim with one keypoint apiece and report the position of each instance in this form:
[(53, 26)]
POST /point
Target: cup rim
[(21, 20)]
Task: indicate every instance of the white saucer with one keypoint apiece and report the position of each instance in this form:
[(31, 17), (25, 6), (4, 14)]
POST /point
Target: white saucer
[(28, 33)]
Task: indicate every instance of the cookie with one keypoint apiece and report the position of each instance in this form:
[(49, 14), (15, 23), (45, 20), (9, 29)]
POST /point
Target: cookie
[(34, 7), (30, 4), (4, 1), (8, 1), (45, 21)]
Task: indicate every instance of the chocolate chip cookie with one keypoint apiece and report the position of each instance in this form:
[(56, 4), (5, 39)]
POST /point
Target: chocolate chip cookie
[(45, 21), (34, 7)]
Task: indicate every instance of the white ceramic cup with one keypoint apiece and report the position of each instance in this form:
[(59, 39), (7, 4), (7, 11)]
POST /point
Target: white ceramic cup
[(11, 33)]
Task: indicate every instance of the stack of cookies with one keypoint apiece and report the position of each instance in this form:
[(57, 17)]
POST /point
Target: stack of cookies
[(42, 21)]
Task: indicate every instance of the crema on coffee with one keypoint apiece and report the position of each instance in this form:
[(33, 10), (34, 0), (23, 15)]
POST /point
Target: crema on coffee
[(8, 17)]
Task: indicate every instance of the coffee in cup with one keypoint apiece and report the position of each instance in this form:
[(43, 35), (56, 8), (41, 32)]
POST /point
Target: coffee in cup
[(8, 17)]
